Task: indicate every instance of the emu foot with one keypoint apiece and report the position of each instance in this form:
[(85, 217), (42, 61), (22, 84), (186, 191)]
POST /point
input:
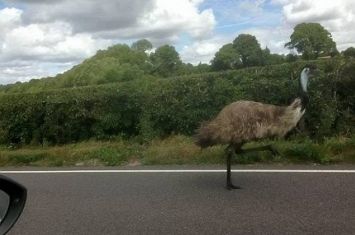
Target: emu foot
[(275, 151), (231, 186), (230, 150)]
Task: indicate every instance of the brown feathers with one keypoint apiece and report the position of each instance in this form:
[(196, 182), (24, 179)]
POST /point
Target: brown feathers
[(245, 121)]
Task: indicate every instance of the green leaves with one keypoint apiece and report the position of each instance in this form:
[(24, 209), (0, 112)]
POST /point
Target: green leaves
[(312, 40), (150, 108), (249, 50), (349, 52), (142, 45), (166, 61), (226, 58)]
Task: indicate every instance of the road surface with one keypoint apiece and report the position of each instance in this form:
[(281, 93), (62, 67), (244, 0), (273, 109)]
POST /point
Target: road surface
[(180, 200)]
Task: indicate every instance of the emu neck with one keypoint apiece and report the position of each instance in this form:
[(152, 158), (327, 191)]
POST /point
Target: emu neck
[(303, 89), (304, 100), (303, 81)]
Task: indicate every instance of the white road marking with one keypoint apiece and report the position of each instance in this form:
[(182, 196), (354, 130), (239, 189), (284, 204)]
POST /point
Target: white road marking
[(173, 171)]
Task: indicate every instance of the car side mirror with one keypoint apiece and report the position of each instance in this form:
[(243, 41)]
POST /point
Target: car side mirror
[(12, 201)]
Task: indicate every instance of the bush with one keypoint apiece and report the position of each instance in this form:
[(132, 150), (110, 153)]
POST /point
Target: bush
[(161, 107), (68, 115), (109, 156), (307, 152), (25, 159), (178, 105)]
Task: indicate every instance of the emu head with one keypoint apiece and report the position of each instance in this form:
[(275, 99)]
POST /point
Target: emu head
[(308, 71)]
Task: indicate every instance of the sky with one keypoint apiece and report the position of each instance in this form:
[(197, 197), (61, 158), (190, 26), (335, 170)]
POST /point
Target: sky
[(41, 38)]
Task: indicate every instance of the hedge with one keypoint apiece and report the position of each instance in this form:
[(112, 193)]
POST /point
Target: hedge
[(158, 108)]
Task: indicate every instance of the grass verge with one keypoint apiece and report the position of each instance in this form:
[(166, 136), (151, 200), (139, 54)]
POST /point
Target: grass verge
[(175, 150)]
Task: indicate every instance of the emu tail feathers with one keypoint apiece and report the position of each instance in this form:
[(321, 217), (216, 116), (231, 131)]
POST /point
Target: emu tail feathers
[(296, 103), (204, 135)]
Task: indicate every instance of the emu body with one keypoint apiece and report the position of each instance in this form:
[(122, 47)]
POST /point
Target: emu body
[(244, 121)]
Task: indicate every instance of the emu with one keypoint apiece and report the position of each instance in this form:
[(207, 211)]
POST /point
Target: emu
[(244, 121)]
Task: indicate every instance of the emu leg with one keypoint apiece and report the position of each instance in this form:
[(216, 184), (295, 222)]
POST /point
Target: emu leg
[(230, 151), (270, 148)]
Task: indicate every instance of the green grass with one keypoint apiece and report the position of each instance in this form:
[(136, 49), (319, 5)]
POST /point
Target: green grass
[(176, 150), (109, 156), (25, 158)]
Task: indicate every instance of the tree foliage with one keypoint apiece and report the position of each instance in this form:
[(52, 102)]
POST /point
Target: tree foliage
[(226, 58), (159, 107), (349, 52), (142, 45), (270, 59), (165, 61), (248, 47), (312, 40), (189, 68), (118, 63), (122, 63)]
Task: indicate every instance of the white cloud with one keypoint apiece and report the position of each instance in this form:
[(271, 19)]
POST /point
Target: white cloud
[(248, 6), (41, 33), (281, 2), (38, 50), (305, 11), (167, 21), (40, 38), (9, 18), (176, 14), (203, 51), (86, 15), (338, 17), (273, 38), (124, 18)]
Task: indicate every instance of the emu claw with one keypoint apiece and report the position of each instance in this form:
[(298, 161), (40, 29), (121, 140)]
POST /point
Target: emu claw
[(275, 151), (231, 186)]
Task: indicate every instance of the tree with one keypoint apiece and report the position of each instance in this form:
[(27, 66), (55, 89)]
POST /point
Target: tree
[(249, 50), (139, 54), (142, 45), (226, 58), (119, 51), (189, 68), (291, 57), (166, 61), (269, 59), (186, 69), (349, 52), (203, 68), (312, 41)]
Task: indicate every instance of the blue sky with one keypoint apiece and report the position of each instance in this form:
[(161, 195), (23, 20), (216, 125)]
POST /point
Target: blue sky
[(42, 38), (233, 16)]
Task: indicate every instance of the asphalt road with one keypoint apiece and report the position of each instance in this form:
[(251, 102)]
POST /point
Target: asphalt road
[(188, 202)]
